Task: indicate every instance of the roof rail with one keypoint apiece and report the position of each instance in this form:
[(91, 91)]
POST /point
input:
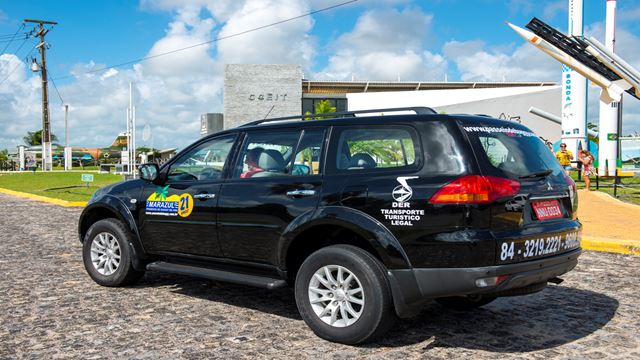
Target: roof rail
[(419, 110)]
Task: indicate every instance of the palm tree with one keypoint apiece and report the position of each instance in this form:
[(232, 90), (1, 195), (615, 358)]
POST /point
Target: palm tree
[(34, 138), (594, 127), (322, 107)]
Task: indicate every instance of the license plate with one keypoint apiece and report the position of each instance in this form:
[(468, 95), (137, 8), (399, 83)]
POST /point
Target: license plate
[(548, 209), (532, 248)]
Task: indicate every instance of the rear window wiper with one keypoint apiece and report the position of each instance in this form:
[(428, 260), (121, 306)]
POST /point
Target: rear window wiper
[(537, 174)]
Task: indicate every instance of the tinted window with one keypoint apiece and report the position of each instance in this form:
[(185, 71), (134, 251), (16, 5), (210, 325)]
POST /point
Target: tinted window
[(512, 151), (441, 150), (307, 158), (266, 154), (382, 148), (204, 162)]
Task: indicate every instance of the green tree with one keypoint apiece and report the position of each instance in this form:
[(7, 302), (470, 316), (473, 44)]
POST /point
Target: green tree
[(594, 127), (322, 107), (4, 155), (34, 138)]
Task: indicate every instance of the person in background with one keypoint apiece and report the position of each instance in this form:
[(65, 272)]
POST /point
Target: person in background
[(251, 160), (564, 156), (586, 159)]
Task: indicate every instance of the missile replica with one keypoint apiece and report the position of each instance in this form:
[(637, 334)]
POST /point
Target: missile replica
[(606, 70)]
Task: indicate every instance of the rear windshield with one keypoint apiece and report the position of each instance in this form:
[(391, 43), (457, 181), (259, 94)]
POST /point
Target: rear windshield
[(511, 151)]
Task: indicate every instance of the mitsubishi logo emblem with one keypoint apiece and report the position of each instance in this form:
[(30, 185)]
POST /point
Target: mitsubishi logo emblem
[(549, 187), (403, 192)]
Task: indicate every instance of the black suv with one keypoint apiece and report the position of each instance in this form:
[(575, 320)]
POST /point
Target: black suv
[(367, 216)]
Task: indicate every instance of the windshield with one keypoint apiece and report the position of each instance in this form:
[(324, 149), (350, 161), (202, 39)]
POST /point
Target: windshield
[(512, 151)]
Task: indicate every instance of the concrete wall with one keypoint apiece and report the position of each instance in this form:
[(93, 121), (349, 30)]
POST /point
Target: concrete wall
[(250, 91), (509, 103)]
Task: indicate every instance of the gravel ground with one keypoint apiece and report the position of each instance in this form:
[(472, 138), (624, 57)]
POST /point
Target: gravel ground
[(50, 308)]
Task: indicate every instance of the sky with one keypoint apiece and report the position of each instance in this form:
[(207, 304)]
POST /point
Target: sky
[(459, 40)]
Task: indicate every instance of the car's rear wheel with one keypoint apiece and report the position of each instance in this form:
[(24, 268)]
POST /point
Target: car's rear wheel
[(343, 295), (465, 302), (106, 254)]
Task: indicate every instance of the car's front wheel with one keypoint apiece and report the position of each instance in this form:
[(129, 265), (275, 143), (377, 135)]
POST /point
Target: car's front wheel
[(343, 295), (106, 254)]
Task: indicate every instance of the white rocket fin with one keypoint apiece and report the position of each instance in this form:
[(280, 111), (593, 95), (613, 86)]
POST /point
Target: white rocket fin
[(614, 91), (623, 84)]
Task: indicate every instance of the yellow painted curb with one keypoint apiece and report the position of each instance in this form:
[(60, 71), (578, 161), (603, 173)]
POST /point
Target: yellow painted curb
[(621, 246), (44, 198)]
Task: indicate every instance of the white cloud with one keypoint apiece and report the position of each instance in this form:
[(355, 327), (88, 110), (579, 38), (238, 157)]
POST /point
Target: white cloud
[(386, 45), (553, 9), (476, 62), (287, 42)]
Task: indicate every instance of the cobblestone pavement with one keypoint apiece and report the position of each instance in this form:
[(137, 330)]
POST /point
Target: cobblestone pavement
[(50, 308)]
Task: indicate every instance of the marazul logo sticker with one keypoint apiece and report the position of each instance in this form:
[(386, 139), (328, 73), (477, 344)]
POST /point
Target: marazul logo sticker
[(158, 203), (401, 213)]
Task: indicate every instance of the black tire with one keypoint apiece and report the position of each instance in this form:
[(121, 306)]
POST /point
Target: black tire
[(124, 273), (463, 303), (377, 313)]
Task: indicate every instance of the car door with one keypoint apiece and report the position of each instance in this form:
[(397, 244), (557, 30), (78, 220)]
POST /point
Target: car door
[(277, 177), (179, 215)]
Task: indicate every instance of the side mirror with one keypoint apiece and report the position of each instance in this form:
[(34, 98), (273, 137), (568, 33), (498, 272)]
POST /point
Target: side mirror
[(149, 172)]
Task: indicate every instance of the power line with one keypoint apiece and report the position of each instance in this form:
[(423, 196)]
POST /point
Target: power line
[(212, 41), (55, 87), (18, 65), (10, 41)]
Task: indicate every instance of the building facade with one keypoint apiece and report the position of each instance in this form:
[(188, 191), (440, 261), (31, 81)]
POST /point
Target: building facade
[(254, 92)]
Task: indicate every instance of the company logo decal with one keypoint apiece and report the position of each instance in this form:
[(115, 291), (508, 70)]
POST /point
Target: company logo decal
[(158, 203), (403, 192), (401, 213)]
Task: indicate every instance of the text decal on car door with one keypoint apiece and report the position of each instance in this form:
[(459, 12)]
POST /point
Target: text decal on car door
[(158, 203)]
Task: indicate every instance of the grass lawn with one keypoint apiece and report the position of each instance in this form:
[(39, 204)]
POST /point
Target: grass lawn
[(39, 183), (627, 194)]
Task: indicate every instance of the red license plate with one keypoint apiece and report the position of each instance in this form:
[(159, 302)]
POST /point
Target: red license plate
[(548, 209)]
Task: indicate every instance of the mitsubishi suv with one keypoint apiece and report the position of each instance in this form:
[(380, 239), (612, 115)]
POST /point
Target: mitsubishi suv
[(367, 214)]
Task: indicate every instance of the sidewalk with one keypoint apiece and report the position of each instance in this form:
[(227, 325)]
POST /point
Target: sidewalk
[(608, 223)]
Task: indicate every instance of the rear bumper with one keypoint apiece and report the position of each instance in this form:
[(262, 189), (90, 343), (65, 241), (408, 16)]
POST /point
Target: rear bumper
[(412, 287)]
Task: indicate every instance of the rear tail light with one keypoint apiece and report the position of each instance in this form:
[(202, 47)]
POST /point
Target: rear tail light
[(475, 189)]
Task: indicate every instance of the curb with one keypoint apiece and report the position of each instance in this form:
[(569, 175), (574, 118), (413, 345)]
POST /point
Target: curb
[(606, 197), (45, 199), (620, 246)]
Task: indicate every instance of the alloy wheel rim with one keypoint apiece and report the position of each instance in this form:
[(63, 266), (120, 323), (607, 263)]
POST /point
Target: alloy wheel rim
[(105, 253), (336, 295)]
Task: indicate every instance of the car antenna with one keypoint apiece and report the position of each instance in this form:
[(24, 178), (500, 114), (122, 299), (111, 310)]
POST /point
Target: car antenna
[(272, 106)]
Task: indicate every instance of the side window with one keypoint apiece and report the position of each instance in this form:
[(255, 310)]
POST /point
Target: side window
[(380, 148), (204, 162), (267, 154), (307, 158)]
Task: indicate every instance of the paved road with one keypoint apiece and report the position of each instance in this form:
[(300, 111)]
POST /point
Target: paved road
[(49, 308)]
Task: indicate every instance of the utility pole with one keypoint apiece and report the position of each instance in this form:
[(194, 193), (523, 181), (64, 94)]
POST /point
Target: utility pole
[(46, 125), (67, 150)]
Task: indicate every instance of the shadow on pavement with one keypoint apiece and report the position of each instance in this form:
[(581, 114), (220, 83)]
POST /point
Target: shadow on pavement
[(280, 302), (553, 317)]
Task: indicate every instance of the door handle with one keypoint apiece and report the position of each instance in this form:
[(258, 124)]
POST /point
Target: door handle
[(204, 196), (301, 192)]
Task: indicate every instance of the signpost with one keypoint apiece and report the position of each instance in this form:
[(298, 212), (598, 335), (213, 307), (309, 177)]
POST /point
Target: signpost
[(87, 178)]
